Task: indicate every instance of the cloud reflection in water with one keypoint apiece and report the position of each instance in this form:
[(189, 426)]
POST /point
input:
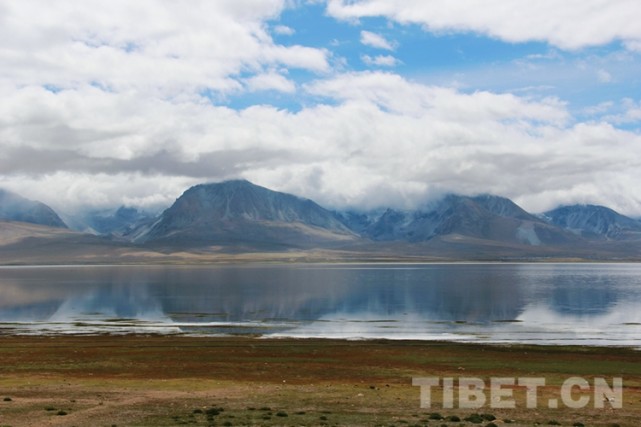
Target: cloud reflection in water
[(541, 303)]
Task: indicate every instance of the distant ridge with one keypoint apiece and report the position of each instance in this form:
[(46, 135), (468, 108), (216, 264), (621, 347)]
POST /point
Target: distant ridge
[(16, 208), (484, 217), (240, 218), (109, 222), (239, 212), (594, 222)]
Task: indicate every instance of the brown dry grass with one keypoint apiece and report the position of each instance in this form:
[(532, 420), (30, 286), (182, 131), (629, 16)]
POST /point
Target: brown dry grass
[(168, 380)]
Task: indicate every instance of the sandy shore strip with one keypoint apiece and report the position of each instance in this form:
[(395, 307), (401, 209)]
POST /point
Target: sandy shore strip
[(153, 380)]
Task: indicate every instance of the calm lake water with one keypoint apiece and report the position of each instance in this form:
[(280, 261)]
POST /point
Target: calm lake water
[(593, 304)]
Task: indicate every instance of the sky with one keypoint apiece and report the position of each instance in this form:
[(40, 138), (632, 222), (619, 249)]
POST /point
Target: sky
[(356, 104)]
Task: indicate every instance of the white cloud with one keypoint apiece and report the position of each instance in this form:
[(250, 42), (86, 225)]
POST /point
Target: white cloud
[(628, 112), (67, 192), (570, 24), (157, 48), (599, 109), (375, 40), (102, 104), (604, 76), (284, 30), (271, 81), (295, 56), (379, 140), (633, 115), (634, 45), (380, 60), (394, 93)]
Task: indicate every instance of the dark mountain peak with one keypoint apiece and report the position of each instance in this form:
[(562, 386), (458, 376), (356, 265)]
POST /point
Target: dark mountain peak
[(225, 186), (389, 226), (594, 221), (480, 206), (392, 213), (7, 196), (450, 199), (503, 206), (239, 211), (586, 208), (235, 199), (14, 207), (486, 217), (126, 212), (115, 222)]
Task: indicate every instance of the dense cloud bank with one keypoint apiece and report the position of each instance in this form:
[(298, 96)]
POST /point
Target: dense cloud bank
[(110, 103)]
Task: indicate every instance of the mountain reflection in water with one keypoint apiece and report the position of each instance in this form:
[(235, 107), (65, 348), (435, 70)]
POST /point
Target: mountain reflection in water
[(539, 303)]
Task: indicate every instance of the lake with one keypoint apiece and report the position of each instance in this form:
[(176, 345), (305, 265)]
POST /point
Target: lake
[(588, 304)]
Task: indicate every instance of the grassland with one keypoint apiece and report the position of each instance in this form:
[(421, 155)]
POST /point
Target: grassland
[(167, 381)]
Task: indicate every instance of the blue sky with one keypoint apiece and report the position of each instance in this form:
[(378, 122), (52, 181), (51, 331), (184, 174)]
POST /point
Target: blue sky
[(356, 104), (584, 78)]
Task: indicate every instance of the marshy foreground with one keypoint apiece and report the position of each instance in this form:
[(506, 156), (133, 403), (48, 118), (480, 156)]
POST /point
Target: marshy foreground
[(156, 380)]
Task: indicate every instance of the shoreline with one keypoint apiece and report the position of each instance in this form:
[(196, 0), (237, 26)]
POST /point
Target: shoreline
[(286, 259), (9, 332), (140, 380)]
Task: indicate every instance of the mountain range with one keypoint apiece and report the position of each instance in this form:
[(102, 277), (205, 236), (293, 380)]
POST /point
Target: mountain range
[(595, 222), (240, 217), (16, 208), (483, 217), (112, 222), (238, 212)]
